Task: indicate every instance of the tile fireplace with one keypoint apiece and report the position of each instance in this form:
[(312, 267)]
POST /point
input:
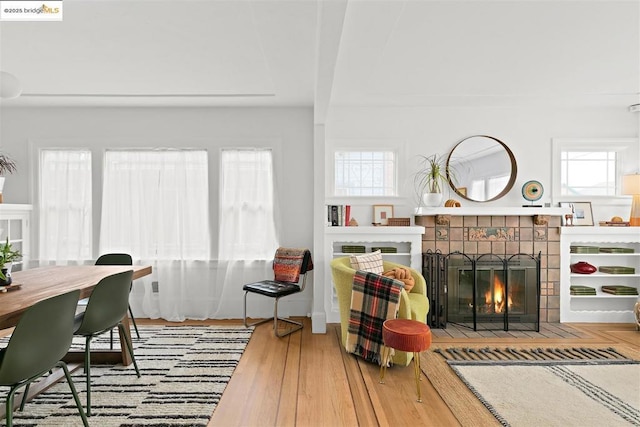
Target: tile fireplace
[(494, 232)]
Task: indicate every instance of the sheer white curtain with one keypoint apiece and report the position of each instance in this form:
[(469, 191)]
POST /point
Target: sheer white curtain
[(155, 206), (65, 206), (247, 224)]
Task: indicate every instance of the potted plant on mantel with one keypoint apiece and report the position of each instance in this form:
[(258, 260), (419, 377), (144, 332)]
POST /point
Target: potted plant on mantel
[(7, 256), (7, 166), (430, 179)]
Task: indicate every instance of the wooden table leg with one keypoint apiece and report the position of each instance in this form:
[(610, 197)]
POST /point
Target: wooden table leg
[(126, 357), (102, 357)]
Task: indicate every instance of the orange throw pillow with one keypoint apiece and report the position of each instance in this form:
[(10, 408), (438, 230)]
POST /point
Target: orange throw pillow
[(403, 275)]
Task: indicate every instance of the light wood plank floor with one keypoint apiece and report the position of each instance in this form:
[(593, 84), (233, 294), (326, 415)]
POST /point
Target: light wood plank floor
[(307, 379)]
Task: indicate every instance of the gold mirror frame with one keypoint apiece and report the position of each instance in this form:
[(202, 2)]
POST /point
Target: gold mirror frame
[(466, 161)]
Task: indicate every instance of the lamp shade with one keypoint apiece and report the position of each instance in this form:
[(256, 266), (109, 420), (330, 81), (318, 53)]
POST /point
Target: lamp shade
[(631, 184), (9, 86)]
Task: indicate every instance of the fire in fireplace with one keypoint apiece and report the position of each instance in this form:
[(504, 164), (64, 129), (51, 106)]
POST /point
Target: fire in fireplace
[(487, 292)]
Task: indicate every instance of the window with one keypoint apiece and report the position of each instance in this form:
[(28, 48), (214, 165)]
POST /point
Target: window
[(588, 173), (590, 167), (65, 205), (155, 204), (365, 173), (247, 220)]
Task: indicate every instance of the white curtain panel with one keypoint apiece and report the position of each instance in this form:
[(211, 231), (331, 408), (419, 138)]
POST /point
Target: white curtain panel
[(155, 206), (65, 206), (247, 228)]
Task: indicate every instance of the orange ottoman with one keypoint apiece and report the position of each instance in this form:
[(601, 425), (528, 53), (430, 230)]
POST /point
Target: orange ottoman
[(405, 335)]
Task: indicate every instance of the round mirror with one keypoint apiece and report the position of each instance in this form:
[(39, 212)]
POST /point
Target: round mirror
[(481, 168)]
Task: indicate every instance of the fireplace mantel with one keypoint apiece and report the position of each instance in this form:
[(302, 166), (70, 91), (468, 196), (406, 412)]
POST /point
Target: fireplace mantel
[(491, 211)]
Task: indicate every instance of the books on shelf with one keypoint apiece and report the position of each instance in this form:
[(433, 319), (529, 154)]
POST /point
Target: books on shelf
[(581, 290), (617, 250), (578, 249), (338, 215), (614, 224), (616, 269), (620, 290)]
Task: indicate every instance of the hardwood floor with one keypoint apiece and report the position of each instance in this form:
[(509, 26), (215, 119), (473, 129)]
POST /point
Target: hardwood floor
[(307, 379)]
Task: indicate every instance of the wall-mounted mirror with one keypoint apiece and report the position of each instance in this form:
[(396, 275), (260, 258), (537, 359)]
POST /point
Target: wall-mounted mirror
[(481, 168)]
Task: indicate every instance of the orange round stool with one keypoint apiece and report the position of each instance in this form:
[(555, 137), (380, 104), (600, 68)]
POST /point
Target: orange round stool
[(405, 335)]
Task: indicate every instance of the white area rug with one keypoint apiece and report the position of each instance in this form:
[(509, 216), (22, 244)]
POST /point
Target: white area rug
[(184, 369), (562, 393)]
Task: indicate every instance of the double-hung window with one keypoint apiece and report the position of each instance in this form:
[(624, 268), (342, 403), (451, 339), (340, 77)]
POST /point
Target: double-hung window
[(155, 204), (365, 173), (586, 168), (64, 198), (247, 215)]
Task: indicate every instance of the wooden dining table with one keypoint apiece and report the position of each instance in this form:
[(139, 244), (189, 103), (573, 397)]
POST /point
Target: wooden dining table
[(36, 284)]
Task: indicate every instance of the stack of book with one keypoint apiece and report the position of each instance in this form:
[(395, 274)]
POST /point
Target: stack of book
[(575, 249), (614, 223), (616, 269), (582, 290), (385, 249), (620, 290), (617, 250), (353, 249)]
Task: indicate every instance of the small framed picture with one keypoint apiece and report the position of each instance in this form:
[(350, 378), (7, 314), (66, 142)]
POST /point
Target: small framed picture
[(381, 214), (581, 213)]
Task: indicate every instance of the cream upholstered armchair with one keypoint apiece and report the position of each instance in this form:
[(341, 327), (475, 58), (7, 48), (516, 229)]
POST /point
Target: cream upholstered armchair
[(413, 305)]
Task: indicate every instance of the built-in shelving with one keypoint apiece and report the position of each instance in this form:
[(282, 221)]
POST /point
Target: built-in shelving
[(15, 225), (602, 307), (407, 241)]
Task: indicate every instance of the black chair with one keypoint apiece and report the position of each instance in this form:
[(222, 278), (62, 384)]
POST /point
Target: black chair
[(38, 343), (119, 259), (290, 267), (106, 308), (116, 259)]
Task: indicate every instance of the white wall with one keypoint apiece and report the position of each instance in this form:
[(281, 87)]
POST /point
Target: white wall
[(528, 131), (288, 130)]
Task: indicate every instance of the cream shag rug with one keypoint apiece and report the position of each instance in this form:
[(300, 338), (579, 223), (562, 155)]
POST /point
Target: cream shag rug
[(556, 387), (184, 370)]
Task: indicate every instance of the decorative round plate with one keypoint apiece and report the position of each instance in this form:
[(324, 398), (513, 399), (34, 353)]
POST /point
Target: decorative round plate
[(532, 190)]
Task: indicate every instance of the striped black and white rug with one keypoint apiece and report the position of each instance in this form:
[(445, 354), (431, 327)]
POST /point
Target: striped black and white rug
[(551, 386), (184, 369)]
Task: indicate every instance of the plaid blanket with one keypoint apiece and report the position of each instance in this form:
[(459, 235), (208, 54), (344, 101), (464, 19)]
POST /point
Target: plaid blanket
[(288, 263), (374, 299)]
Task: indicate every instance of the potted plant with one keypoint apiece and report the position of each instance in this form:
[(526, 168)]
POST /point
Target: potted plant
[(430, 179), (7, 256), (7, 166)]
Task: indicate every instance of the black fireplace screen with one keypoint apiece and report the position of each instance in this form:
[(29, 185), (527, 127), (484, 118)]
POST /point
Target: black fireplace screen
[(484, 292)]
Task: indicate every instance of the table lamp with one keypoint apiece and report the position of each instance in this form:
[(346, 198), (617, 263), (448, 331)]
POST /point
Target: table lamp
[(631, 186)]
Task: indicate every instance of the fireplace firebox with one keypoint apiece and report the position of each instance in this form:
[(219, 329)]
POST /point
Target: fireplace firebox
[(484, 292)]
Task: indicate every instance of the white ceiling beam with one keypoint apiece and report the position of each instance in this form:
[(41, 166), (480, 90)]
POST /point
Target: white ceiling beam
[(329, 33)]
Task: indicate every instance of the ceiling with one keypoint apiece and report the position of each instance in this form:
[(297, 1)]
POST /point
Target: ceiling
[(328, 53)]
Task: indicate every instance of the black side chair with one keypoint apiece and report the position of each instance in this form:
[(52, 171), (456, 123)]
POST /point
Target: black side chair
[(116, 259), (37, 345), (290, 266), (106, 308), (119, 259)]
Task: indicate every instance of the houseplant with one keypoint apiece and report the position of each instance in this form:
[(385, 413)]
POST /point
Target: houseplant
[(430, 179), (7, 256), (7, 166)]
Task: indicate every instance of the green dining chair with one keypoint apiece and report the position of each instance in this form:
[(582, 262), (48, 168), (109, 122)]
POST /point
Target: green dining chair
[(105, 310), (38, 343)]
